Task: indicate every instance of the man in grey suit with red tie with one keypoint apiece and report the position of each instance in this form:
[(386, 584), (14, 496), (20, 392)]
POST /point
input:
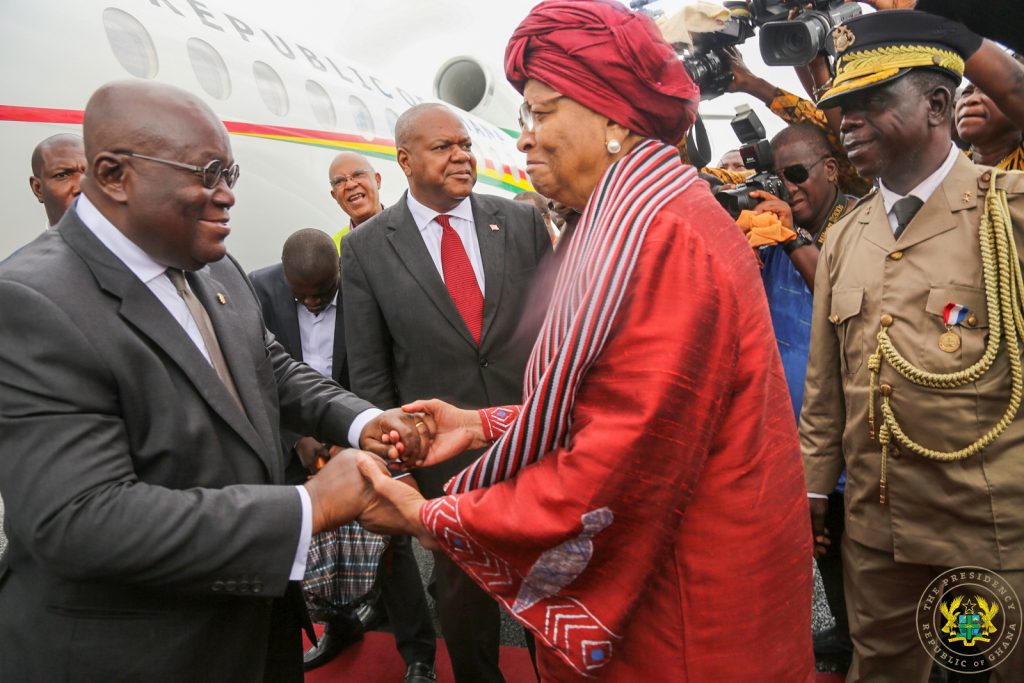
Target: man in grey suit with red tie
[(151, 535), (434, 290)]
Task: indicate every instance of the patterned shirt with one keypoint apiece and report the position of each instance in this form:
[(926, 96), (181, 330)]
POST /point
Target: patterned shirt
[(1014, 161)]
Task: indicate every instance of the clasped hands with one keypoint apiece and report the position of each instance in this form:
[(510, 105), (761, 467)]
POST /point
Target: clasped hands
[(357, 484)]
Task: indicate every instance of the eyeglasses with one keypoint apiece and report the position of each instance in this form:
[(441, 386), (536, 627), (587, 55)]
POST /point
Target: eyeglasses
[(211, 173), (342, 179), (798, 173), (526, 120)]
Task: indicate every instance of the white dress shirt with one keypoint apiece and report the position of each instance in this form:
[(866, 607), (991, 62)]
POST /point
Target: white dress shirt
[(316, 333), (462, 223), (925, 189), (152, 275)]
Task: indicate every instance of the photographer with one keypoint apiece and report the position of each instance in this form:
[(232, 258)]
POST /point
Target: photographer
[(810, 173), (796, 110)]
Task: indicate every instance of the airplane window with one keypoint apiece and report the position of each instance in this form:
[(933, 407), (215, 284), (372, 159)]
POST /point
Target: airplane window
[(320, 101), (271, 88), (392, 118), (364, 120), (209, 68), (131, 43)]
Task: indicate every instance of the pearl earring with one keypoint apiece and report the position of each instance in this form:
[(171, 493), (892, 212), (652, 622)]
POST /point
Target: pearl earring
[(614, 146)]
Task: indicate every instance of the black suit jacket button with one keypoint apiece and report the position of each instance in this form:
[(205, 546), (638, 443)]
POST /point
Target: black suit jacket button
[(243, 586), (484, 363), (230, 586), (257, 586), (217, 587)]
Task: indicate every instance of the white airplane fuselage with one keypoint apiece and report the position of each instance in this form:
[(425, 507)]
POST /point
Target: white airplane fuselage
[(289, 107)]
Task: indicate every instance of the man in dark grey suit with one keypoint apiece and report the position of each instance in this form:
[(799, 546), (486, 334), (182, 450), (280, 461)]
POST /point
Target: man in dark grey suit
[(302, 307), (150, 534), (434, 289)]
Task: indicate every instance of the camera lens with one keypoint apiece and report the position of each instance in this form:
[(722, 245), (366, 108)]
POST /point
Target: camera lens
[(796, 42)]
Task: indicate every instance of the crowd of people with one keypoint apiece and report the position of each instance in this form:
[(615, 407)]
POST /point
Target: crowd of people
[(576, 400)]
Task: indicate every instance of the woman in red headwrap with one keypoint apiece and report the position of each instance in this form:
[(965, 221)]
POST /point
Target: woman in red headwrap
[(644, 511)]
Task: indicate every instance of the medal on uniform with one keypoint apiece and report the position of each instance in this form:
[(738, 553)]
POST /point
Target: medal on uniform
[(953, 314)]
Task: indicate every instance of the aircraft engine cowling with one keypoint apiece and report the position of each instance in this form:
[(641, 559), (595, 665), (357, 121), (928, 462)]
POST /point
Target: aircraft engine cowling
[(466, 83)]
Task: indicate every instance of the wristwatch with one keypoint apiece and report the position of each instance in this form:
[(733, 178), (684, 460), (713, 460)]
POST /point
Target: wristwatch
[(803, 239)]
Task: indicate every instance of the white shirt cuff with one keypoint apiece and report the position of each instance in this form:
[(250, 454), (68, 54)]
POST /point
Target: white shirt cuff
[(816, 495), (305, 536), (356, 428)]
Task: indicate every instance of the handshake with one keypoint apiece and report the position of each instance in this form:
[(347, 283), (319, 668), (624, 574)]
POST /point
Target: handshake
[(356, 484)]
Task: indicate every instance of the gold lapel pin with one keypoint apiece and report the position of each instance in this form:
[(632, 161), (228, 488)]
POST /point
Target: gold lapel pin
[(221, 298), (966, 199)]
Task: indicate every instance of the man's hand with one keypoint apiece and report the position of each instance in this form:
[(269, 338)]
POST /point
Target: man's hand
[(395, 509), (889, 4), (455, 430), (339, 492), (395, 435), (820, 537), (742, 76), (310, 451), (743, 79), (772, 204)]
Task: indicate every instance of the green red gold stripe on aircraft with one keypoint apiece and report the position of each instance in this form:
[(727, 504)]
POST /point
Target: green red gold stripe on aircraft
[(503, 177)]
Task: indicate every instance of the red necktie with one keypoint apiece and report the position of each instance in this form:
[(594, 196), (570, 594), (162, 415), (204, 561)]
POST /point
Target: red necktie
[(460, 279)]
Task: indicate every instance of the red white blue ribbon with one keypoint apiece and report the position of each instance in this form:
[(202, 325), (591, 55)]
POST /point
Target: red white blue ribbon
[(954, 314)]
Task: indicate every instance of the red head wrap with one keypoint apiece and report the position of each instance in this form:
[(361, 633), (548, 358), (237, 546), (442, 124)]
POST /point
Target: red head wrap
[(608, 59)]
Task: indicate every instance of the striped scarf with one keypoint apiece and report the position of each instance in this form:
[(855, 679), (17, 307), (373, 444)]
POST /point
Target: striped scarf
[(589, 289)]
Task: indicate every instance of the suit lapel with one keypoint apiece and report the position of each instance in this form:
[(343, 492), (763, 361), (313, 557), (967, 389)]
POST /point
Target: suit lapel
[(957, 192), (228, 327), (140, 308), (339, 360), (288, 328), (492, 252), (407, 242)]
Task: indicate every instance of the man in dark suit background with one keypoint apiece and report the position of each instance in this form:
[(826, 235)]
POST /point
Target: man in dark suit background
[(302, 308), (434, 289), (150, 534)]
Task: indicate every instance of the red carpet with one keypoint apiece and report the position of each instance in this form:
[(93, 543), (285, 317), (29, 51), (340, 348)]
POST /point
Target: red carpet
[(375, 660)]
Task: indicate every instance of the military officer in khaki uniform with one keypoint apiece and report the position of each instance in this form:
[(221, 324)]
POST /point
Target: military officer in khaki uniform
[(902, 304)]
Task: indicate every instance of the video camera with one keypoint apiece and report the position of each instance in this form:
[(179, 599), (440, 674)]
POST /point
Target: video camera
[(784, 41), (792, 42), (707, 63), (757, 155)]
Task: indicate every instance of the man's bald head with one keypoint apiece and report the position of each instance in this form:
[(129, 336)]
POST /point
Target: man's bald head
[(355, 186), (145, 117), (435, 152), (58, 163), (160, 203), (406, 127), (60, 141), (311, 268)]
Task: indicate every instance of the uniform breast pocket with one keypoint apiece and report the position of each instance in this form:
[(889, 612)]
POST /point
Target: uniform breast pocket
[(972, 331), (845, 316)]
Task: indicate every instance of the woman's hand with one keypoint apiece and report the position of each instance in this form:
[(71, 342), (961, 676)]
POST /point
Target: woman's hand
[(455, 430)]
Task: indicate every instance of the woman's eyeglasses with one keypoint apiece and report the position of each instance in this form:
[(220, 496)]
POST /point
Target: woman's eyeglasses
[(798, 173), (526, 120)]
